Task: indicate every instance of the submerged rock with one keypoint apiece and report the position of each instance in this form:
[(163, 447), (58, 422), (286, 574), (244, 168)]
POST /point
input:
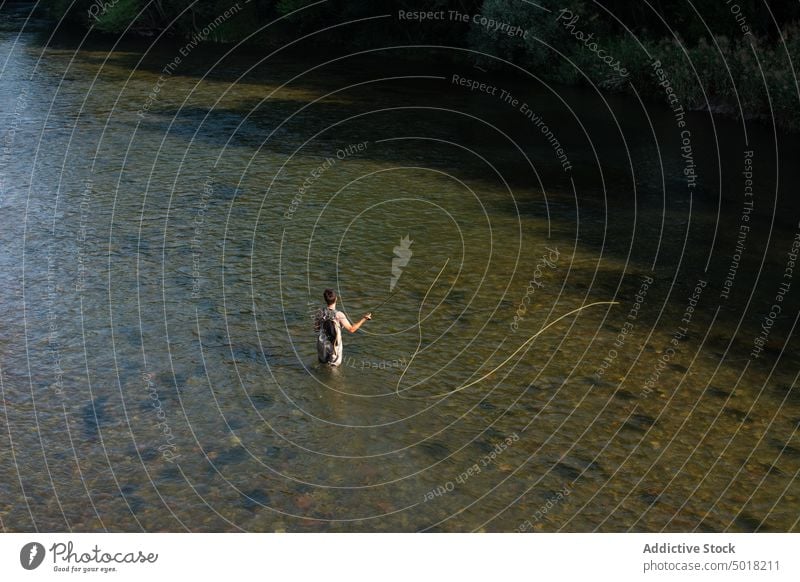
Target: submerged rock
[(94, 415), (649, 496), (435, 449), (262, 400), (739, 415), (566, 471), (230, 456), (623, 394), (747, 522), (639, 423), (254, 499), (717, 393)]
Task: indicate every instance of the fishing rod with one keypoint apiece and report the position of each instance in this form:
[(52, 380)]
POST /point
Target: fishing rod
[(396, 291)]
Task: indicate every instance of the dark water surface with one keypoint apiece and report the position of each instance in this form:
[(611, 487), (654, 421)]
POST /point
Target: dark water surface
[(158, 268)]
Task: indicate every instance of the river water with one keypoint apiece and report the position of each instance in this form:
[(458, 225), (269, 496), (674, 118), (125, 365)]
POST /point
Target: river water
[(159, 264)]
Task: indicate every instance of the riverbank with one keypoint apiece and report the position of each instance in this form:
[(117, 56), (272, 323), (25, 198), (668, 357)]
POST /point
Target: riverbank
[(742, 68)]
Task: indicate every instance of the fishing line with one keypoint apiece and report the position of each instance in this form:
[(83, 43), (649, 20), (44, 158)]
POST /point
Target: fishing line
[(503, 363)]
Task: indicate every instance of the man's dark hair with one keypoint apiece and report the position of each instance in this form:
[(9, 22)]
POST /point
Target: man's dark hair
[(330, 296)]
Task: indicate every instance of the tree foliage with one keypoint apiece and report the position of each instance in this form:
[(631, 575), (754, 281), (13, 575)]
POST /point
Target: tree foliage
[(706, 43)]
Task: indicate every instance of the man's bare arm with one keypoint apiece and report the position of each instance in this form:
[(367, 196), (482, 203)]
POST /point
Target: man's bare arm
[(354, 328)]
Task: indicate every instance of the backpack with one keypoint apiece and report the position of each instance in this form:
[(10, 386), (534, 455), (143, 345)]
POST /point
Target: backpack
[(328, 340)]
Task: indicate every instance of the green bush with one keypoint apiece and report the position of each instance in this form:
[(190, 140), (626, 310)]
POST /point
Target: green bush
[(534, 51), (711, 72), (116, 15), (725, 75)]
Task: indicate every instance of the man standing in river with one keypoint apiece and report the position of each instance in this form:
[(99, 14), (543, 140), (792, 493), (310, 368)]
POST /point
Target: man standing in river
[(328, 324)]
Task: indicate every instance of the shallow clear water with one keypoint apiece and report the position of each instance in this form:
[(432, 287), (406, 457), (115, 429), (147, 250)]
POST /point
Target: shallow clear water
[(156, 355)]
